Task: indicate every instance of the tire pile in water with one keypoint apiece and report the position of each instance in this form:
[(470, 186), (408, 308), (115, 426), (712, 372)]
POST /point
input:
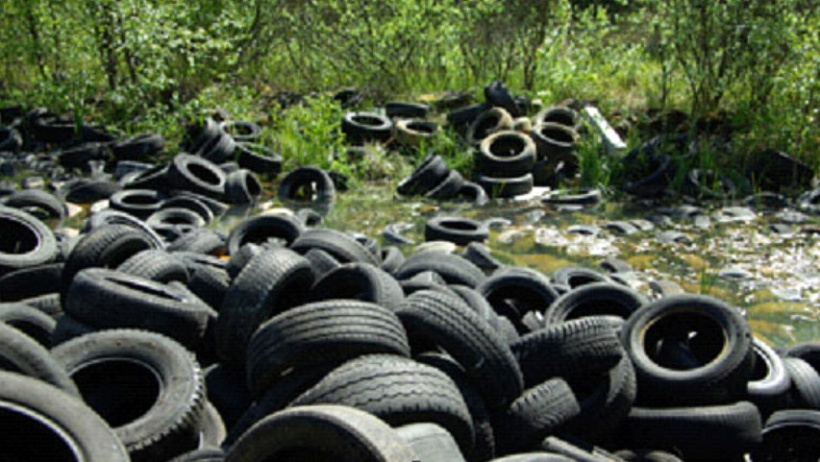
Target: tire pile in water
[(150, 337)]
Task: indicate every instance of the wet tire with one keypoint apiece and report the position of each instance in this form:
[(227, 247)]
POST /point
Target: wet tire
[(41, 422), (448, 188), (146, 386), (460, 231), (432, 171), (329, 332), (505, 187), (335, 432)]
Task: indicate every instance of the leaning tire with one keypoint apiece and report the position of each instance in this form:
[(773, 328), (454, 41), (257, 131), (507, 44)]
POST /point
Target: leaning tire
[(26, 241)]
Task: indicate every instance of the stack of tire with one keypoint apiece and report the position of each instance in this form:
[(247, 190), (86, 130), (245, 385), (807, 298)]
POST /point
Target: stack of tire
[(556, 133), (434, 179)]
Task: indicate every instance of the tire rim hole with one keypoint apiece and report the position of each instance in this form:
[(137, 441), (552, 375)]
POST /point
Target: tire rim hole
[(17, 238), (119, 390), (684, 341), (29, 437), (367, 120), (204, 173), (507, 146)]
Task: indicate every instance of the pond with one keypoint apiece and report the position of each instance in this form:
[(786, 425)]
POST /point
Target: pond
[(762, 259)]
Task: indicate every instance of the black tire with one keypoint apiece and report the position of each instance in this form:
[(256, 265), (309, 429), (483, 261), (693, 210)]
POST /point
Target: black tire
[(341, 246), (392, 259), (104, 247), (38, 202), (514, 291), (461, 119), (109, 299), (458, 230), (242, 187), (769, 385), (89, 191), (581, 347), (481, 256), (41, 422), (217, 207), (208, 279), (561, 115), (206, 454), (198, 175), (22, 354), (25, 241), (202, 241), (554, 142), (452, 268), (79, 157), (493, 120), (505, 154), (155, 178), (430, 442), (595, 299), (473, 193), (411, 132), (68, 328), (362, 127), (228, 392), (195, 205), (141, 148), (576, 276), (805, 389), (259, 159), (140, 203), (198, 133), (30, 282), (114, 217), (321, 432), (717, 340), (30, 321), (156, 265), (448, 188), (790, 434), (406, 110), (241, 130), (212, 428), (219, 149), (146, 386), (307, 185), (271, 283), (498, 95), (505, 187), (704, 433), (330, 332), (397, 390), (263, 229), (661, 172), (47, 303), (538, 412), (432, 171), (469, 339), (359, 281), (807, 351)]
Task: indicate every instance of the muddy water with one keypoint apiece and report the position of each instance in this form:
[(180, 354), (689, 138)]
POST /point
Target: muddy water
[(726, 253)]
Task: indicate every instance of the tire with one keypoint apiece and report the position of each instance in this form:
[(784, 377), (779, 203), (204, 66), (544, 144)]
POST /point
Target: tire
[(30, 282), (704, 433), (262, 229), (406, 110), (430, 442), (469, 339), (452, 268), (578, 348), (769, 385), (32, 200), (21, 354), (201, 241), (791, 433), (241, 131), (432, 171), (79, 157), (156, 265), (190, 203), (146, 386), (646, 455), (481, 256), (489, 122), (242, 187), (411, 132), (561, 115), (555, 142), (140, 148), (503, 188), (661, 171), (259, 159), (460, 231), (576, 276), (335, 432), (26, 241), (538, 412), (306, 185), (339, 245), (448, 188), (47, 303), (535, 457), (113, 217), (154, 178), (397, 390), (716, 337), (198, 175), (363, 127), (497, 94), (218, 208), (328, 332), (212, 428), (505, 154), (104, 247), (206, 454), (30, 321), (472, 193), (392, 259), (359, 281), (461, 119), (198, 133), (207, 281), (140, 203), (271, 283), (219, 149), (41, 422), (805, 389), (595, 299), (807, 351), (514, 291), (89, 191)]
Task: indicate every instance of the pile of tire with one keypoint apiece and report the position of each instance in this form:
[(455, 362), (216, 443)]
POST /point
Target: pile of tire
[(434, 179)]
